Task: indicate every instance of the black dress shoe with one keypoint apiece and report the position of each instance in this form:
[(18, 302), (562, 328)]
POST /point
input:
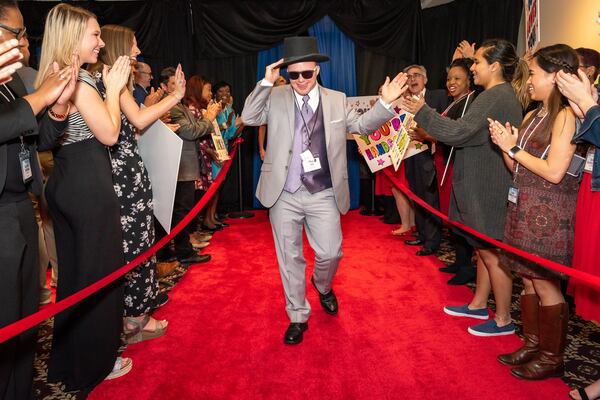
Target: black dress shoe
[(211, 230), (450, 269), (328, 301), (465, 274), (293, 334), (425, 251), (415, 242), (195, 259)]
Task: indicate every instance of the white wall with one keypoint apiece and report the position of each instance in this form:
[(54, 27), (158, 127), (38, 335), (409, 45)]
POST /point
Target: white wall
[(572, 22)]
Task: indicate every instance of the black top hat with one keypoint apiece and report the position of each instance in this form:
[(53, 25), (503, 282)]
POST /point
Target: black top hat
[(299, 49)]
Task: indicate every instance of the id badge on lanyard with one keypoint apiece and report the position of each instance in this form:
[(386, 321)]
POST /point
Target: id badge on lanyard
[(513, 193), (25, 161)]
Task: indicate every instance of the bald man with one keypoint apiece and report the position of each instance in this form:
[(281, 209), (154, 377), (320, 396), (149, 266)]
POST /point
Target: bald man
[(142, 77)]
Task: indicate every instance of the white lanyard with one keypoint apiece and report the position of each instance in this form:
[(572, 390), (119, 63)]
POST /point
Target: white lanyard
[(452, 148), (9, 92), (522, 145)]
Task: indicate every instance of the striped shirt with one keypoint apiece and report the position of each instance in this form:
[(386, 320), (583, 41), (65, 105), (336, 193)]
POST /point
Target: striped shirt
[(77, 130)]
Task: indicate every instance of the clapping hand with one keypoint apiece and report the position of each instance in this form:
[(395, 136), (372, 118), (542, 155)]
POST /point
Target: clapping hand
[(118, 75), (272, 71), (212, 110), (464, 50), (9, 59), (56, 82), (179, 91), (153, 97), (504, 136), (70, 75), (578, 90), (419, 134), (412, 104), (391, 90)]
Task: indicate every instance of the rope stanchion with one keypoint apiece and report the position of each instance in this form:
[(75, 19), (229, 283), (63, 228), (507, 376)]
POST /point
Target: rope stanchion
[(584, 277), (32, 320)]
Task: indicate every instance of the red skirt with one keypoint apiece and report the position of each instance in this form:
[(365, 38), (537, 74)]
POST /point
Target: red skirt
[(586, 254), (383, 184)]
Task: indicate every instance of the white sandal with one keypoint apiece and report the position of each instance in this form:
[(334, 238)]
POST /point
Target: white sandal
[(122, 367)]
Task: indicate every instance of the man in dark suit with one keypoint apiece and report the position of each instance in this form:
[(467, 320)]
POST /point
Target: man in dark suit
[(191, 129), (142, 77), (19, 174), (420, 169)]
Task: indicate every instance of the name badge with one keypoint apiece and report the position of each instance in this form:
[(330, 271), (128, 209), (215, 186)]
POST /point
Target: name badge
[(513, 194), (309, 162), (25, 165)]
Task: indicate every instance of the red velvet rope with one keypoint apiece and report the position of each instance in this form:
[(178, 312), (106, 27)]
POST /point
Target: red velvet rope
[(30, 321), (584, 277)]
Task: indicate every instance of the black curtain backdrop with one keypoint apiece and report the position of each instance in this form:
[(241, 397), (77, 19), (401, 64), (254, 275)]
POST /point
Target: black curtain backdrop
[(445, 26), (220, 39)]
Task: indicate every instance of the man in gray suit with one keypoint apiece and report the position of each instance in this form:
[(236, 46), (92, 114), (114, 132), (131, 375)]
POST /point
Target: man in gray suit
[(304, 177)]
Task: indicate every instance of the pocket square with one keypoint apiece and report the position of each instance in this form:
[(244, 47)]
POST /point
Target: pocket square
[(336, 121)]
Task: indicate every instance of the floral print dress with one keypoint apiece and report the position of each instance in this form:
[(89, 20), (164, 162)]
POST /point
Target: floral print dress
[(133, 188)]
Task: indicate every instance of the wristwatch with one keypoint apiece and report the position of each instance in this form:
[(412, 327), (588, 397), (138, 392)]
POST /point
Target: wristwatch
[(512, 152)]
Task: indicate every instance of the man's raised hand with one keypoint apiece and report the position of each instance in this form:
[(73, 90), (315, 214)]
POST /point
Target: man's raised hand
[(272, 71)]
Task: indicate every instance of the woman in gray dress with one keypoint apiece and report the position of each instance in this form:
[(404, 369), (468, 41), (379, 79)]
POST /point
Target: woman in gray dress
[(481, 180)]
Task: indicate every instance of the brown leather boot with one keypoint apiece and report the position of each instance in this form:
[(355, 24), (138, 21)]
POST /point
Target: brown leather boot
[(553, 337), (529, 315)]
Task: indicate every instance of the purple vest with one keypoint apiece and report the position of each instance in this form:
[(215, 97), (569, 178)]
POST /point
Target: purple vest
[(314, 181)]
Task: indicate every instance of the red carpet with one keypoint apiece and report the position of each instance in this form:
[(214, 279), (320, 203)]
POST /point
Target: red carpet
[(391, 339)]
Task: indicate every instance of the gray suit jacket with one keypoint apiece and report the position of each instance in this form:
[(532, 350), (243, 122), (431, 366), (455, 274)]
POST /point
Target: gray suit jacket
[(275, 106), (190, 130)]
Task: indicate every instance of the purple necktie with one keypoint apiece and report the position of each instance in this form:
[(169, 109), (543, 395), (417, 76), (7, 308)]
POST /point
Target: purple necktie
[(307, 113)]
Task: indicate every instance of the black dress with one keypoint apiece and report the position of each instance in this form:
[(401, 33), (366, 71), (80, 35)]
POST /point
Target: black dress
[(85, 211), (134, 191)]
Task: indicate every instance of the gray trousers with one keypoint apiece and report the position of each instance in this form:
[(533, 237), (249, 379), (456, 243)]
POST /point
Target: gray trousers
[(319, 215)]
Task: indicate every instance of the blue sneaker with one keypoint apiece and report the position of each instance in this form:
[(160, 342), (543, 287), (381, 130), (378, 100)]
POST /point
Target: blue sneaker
[(465, 311), (490, 328)]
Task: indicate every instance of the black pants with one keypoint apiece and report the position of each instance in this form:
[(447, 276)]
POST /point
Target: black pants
[(185, 199), (184, 202), (86, 215), (420, 173), (19, 296)]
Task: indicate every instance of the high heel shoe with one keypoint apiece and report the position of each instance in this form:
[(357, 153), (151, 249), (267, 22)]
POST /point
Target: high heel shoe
[(138, 334)]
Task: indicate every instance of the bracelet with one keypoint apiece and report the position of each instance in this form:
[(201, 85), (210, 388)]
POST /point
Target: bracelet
[(59, 117)]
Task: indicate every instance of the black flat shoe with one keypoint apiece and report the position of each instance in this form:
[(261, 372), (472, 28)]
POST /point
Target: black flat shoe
[(328, 301), (293, 334), (416, 242)]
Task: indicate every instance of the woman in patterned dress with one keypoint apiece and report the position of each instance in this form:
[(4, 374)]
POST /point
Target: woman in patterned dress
[(541, 212), (132, 186)]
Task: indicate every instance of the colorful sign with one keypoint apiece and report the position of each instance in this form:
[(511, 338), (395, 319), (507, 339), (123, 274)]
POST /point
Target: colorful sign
[(219, 143)]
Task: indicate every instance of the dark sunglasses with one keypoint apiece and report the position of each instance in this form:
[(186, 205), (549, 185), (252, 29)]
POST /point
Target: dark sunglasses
[(19, 33), (293, 75)]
